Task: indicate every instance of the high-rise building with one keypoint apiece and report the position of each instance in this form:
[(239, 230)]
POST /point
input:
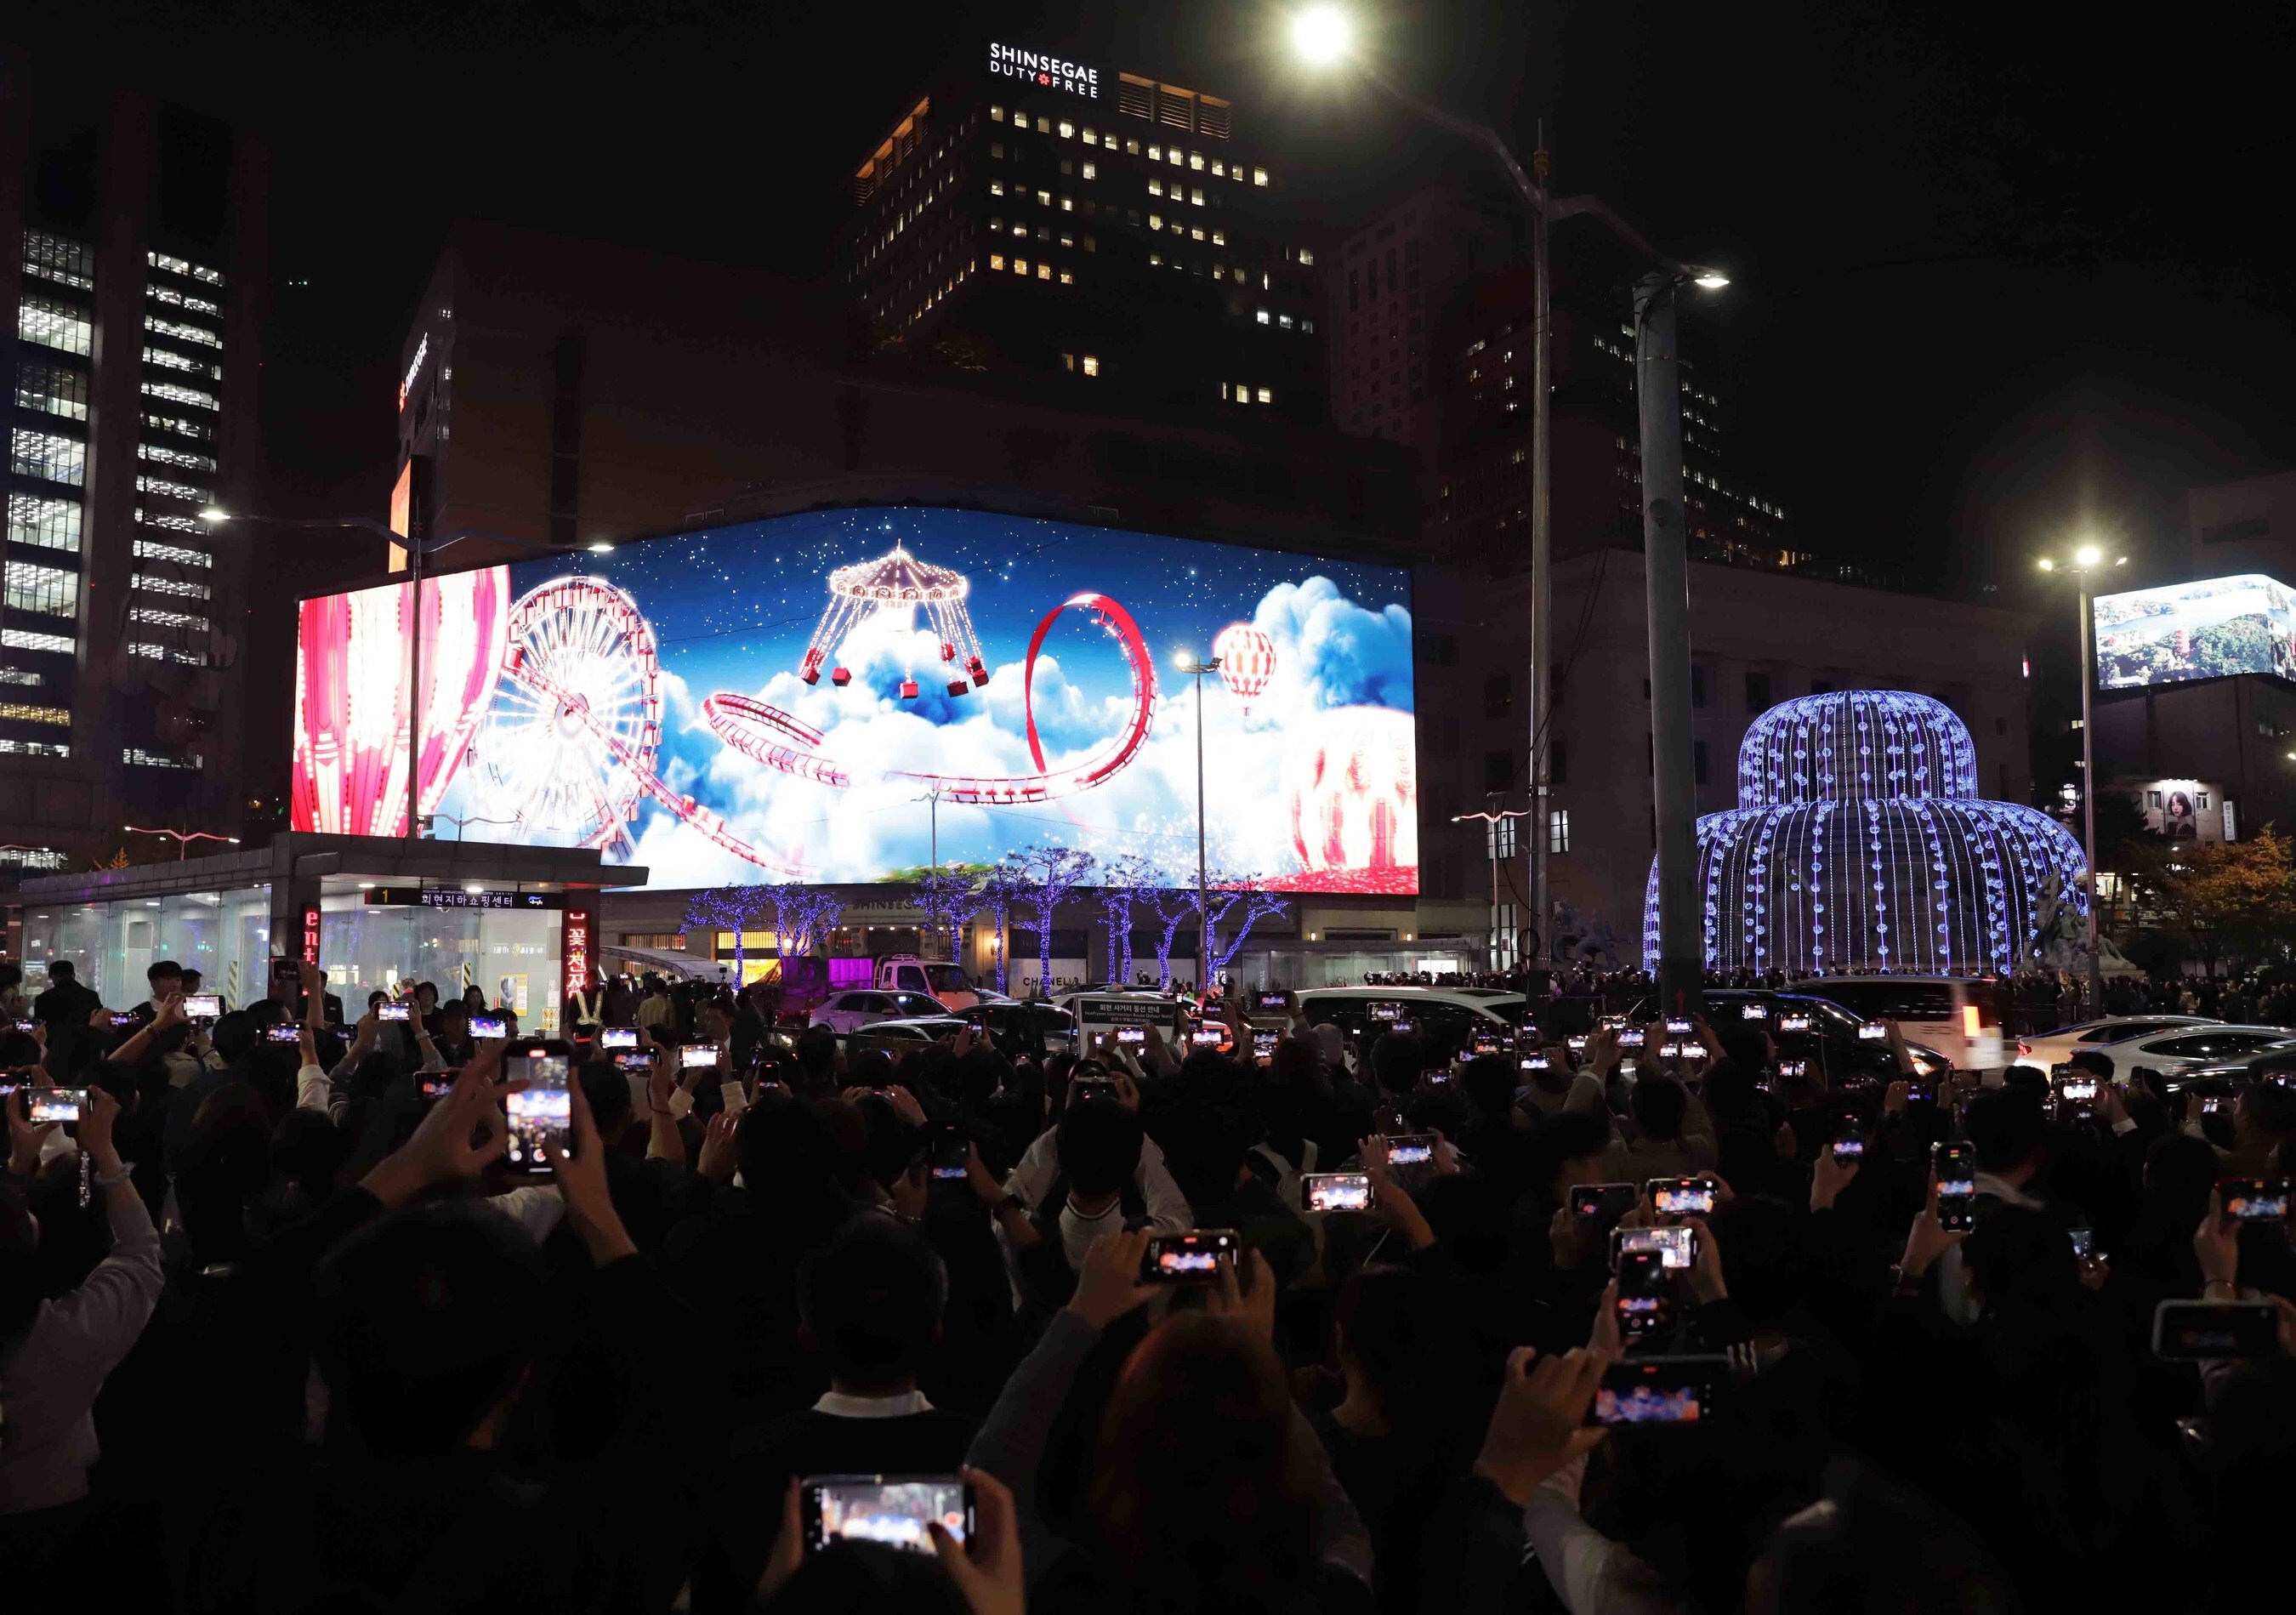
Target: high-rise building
[(132, 295), (1033, 211)]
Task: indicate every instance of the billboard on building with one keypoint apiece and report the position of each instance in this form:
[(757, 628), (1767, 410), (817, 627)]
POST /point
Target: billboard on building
[(2221, 626), (838, 695), (2186, 810)]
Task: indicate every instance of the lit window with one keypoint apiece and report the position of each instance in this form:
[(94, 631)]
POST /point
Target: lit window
[(1091, 365), (20, 676), (1262, 315), (1219, 168), (1239, 269), (1020, 119), (1068, 278), (1155, 221), (182, 332), (1219, 239), (51, 524), (995, 260), (1068, 129), (20, 712), (52, 389), (1196, 196), (176, 392), (182, 424), (1090, 138), (54, 324), (1260, 176), (1155, 154), (52, 257), (1176, 157), (183, 589), (1155, 186), (1283, 320), (136, 755), (1196, 160), (170, 489), (1068, 361), (1044, 199), (1067, 206), (162, 455), (1067, 239), (176, 265), (1020, 231), (24, 639), (1132, 147), (150, 549), (48, 590), (160, 618), (41, 454), (996, 187), (1268, 395), (1155, 260), (1043, 271), (1307, 255), (1092, 170), (1243, 392), (1558, 830), (177, 361)]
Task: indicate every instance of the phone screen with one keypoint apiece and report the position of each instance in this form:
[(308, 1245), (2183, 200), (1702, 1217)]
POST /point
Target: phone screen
[(123, 1017), (1678, 1026), (1873, 1031), (951, 1158), (490, 1026), (1535, 1062), (398, 1012), (203, 1006), (1631, 1038), (1955, 1166), (1272, 1000), (1336, 1192), (1598, 1199), (2254, 1200), (1681, 1196), (2083, 1243), (1642, 1291), (1263, 1047), (1850, 1144), (617, 1036), (1752, 1012), (2199, 1331), (697, 1056), (54, 1104), (283, 1031), (2081, 1089), (1577, 1045), (1659, 1390), (1794, 1068), (1410, 1150), (1132, 1034), (1191, 1258), (436, 1085), (1676, 1243), (638, 1063), (1793, 1023), (540, 1113), (890, 1510), (1206, 1036), (1386, 1012)]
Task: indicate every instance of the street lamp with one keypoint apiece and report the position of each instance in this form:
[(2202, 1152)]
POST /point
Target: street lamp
[(1322, 37), (183, 838), (416, 549), (2086, 560), (1492, 821), (1187, 663)]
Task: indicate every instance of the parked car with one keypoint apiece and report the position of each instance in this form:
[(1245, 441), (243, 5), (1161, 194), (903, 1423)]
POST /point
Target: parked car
[(859, 1007), (1962, 1016), (2043, 1050), (1438, 1015), (2182, 1050)]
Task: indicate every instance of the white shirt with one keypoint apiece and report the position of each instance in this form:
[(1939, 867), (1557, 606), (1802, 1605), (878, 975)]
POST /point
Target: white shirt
[(838, 1405)]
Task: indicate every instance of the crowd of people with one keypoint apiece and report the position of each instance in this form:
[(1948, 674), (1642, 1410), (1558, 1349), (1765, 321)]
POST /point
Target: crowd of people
[(312, 1308)]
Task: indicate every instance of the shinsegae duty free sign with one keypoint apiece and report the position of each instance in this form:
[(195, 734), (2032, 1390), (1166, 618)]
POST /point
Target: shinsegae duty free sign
[(1045, 71)]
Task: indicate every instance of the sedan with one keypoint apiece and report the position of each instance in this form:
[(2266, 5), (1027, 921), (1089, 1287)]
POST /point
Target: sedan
[(2043, 1050), (864, 1006), (2187, 1048)]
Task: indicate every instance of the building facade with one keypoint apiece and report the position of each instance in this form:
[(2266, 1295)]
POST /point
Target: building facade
[(1030, 212), (133, 299)]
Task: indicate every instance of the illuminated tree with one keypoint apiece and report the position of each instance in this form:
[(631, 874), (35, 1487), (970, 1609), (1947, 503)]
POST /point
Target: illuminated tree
[(1222, 898), (1042, 877), (1174, 907), (1130, 881), (735, 908), (948, 898), (802, 915), (1001, 888)]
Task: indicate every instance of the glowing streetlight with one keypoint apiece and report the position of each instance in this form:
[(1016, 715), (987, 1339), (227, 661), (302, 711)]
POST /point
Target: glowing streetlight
[(1322, 34), (2089, 554), (2085, 559)]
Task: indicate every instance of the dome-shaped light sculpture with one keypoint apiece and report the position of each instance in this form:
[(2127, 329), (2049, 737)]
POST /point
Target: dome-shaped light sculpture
[(1859, 842)]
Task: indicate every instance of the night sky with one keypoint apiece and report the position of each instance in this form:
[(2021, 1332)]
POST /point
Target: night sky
[(1999, 275)]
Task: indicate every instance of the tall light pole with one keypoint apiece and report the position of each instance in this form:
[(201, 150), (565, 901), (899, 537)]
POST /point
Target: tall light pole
[(417, 550), (183, 838), (1491, 822), (2085, 560), (1322, 36), (1189, 663)]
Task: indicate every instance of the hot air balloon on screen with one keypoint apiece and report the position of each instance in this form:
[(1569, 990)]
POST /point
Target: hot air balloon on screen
[(1247, 659)]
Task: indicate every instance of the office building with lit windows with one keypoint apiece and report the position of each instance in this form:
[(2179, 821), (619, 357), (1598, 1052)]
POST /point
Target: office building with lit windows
[(1028, 210), (131, 288)]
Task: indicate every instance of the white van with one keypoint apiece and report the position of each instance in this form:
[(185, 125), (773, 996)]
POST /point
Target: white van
[(1962, 1017)]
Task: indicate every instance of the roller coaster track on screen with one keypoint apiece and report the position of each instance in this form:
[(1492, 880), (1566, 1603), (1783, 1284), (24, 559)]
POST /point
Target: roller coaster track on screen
[(768, 735)]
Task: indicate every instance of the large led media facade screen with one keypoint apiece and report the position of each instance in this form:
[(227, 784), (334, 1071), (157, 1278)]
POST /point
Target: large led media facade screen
[(2210, 629), (840, 695)]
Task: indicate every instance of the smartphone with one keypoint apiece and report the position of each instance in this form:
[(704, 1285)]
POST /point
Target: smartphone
[(1602, 1200), (1794, 1068), (1263, 1047), (1752, 1012), (1793, 1023), (1206, 1036), (399, 1012), (1674, 1051), (1848, 1143), (2189, 1332), (1386, 1012), (1920, 1090), (1873, 1031), (54, 1104), (1660, 1390), (2254, 1200), (951, 1157), (120, 1017), (1577, 1045), (2212, 1104), (1082, 1088), (638, 1063), (697, 1056), (1337, 1192), (617, 1036), (890, 1510), (1643, 1301), (1955, 1165), (1677, 1243), (1410, 1150), (435, 1085), (490, 1026), (26, 1025), (203, 1006), (2078, 1089), (2083, 1243), (1131, 1034), (283, 1031), (1191, 1258), (1484, 1042), (1681, 1196), (1535, 1062), (1678, 1026), (1276, 1001), (1631, 1038), (1402, 1029), (540, 1113)]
